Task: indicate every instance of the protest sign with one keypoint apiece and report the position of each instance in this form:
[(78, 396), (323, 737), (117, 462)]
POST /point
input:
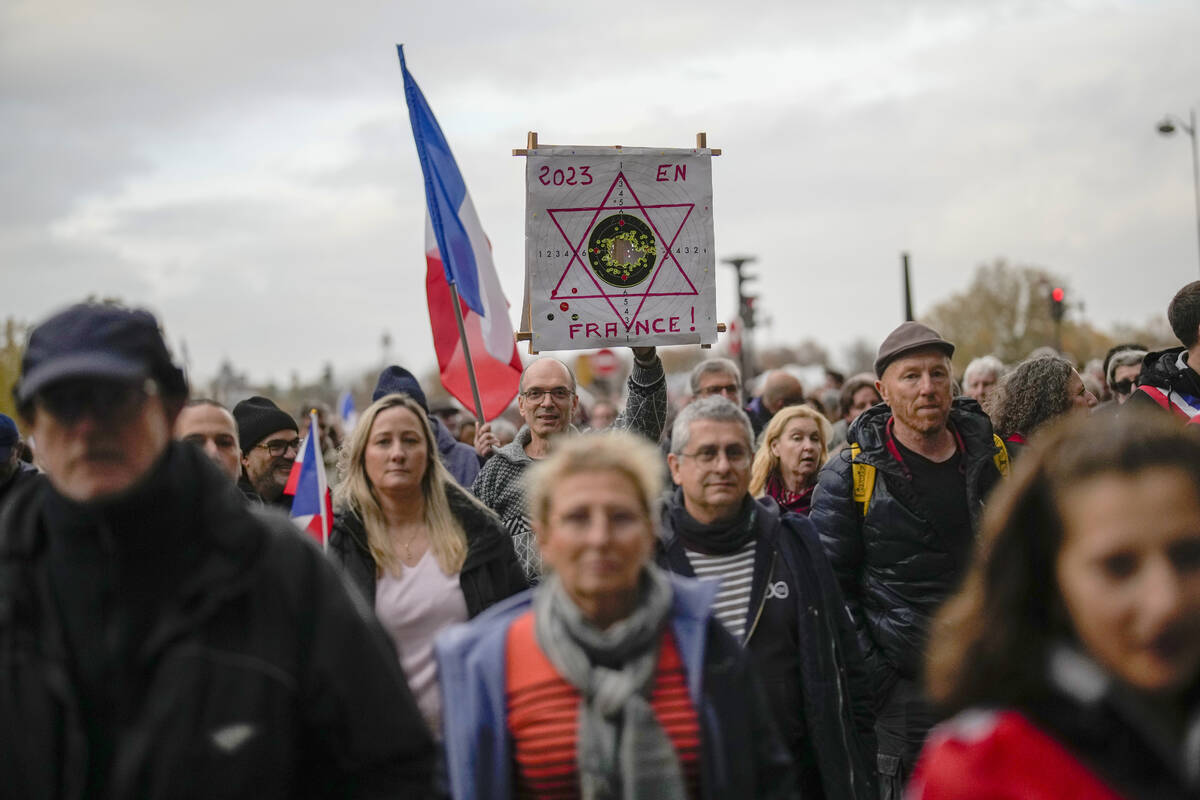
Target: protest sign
[(618, 247)]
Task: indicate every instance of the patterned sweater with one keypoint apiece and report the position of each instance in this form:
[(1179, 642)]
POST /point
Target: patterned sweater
[(499, 485)]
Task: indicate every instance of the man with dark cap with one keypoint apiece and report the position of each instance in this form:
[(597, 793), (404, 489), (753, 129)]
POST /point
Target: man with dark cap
[(897, 511), (459, 459), (13, 471), (270, 440), (159, 638)]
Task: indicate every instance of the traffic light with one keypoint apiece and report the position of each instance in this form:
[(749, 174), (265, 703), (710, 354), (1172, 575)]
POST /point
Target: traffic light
[(747, 310), (1057, 306)]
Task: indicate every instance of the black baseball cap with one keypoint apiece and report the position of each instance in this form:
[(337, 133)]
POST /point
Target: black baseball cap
[(103, 342)]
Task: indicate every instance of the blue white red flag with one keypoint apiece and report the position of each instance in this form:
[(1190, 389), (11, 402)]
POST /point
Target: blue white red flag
[(458, 252), (312, 503), (347, 411)]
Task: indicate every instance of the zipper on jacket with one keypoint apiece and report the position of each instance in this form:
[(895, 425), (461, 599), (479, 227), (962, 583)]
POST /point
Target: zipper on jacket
[(762, 601), (841, 695)]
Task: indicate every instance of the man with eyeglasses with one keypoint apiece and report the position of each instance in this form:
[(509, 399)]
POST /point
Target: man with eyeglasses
[(208, 425), (159, 638), (777, 597), (547, 402), (269, 439)]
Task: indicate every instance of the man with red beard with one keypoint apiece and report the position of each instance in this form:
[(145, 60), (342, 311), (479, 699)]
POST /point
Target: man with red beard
[(897, 512)]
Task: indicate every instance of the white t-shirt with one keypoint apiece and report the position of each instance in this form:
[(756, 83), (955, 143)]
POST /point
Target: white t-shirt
[(414, 608)]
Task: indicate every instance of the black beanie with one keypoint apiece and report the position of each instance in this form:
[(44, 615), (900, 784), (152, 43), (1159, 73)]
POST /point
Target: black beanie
[(398, 380), (258, 418)]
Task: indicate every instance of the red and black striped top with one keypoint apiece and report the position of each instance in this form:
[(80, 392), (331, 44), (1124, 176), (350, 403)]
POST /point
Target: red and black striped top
[(543, 715)]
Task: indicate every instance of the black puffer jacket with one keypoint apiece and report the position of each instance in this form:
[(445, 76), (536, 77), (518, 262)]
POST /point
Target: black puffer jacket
[(260, 675), (489, 574), (894, 568), (1169, 372)]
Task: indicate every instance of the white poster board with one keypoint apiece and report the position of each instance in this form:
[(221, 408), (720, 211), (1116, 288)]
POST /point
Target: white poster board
[(619, 247)]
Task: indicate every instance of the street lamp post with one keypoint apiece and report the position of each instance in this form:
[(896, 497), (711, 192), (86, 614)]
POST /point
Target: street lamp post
[(1167, 127)]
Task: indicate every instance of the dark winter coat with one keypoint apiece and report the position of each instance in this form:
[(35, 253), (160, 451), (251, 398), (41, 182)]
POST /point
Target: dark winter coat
[(259, 675), (894, 568), (1169, 373), (804, 647), (489, 574), (23, 474)]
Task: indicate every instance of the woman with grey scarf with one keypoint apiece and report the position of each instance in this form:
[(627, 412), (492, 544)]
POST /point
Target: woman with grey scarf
[(611, 679)]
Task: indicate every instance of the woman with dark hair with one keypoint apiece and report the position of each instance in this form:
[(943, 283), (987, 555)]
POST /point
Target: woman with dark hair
[(612, 679), (1072, 652), (1037, 391), (422, 551)]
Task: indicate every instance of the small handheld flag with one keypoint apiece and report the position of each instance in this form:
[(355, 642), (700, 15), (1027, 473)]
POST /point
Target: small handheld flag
[(312, 506)]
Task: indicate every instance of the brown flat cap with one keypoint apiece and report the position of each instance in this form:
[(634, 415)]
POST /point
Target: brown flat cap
[(906, 338)]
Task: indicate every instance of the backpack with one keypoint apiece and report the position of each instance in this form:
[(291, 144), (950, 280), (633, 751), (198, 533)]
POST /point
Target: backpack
[(863, 475)]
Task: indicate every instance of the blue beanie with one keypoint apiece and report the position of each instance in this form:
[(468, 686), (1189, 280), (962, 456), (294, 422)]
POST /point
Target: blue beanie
[(395, 379)]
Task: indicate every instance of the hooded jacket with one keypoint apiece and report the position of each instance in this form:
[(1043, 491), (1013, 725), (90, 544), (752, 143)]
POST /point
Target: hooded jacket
[(803, 645), (894, 567), (253, 674), (741, 756), (489, 574), (459, 459)]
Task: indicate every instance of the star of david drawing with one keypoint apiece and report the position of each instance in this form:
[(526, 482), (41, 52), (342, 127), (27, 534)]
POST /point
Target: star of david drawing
[(610, 289)]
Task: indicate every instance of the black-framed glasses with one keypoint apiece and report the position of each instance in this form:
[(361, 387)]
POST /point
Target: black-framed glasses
[(559, 393), (1126, 386), (103, 400), (277, 447), (735, 454)]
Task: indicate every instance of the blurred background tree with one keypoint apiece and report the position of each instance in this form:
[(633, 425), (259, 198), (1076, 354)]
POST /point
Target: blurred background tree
[(12, 347), (1006, 311)]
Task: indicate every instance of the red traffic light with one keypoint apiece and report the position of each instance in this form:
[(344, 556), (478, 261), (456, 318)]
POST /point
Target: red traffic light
[(1057, 294)]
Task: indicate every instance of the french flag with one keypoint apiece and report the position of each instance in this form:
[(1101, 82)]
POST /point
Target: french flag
[(312, 506), (457, 252)]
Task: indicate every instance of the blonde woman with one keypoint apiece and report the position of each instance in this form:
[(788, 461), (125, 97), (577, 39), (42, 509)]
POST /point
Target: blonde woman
[(424, 553), (791, 452), (612, 678)]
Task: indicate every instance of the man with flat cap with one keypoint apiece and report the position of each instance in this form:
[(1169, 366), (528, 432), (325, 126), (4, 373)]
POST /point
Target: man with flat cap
[(270, 440), (897, 511), (158, 638)]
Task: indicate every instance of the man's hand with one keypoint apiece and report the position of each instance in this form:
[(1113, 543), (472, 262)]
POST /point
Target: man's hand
[(485, 440), (643, 354)]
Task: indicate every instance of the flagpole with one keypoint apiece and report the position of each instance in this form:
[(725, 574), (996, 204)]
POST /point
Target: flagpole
[(462, 337)]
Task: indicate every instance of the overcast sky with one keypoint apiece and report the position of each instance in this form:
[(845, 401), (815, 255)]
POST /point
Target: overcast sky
[(247, 170)]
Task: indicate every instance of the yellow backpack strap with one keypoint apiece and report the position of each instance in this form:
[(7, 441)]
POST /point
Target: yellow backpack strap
[(1001, 456), (863, 477)]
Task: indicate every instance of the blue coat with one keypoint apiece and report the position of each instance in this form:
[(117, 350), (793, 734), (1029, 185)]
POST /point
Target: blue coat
[(741, 753)]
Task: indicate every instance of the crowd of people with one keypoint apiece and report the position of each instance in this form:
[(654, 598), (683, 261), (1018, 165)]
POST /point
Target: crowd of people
[(896, 585)]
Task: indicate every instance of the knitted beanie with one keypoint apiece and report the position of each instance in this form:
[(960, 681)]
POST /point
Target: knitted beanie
[(397, 379), (257, 418)]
